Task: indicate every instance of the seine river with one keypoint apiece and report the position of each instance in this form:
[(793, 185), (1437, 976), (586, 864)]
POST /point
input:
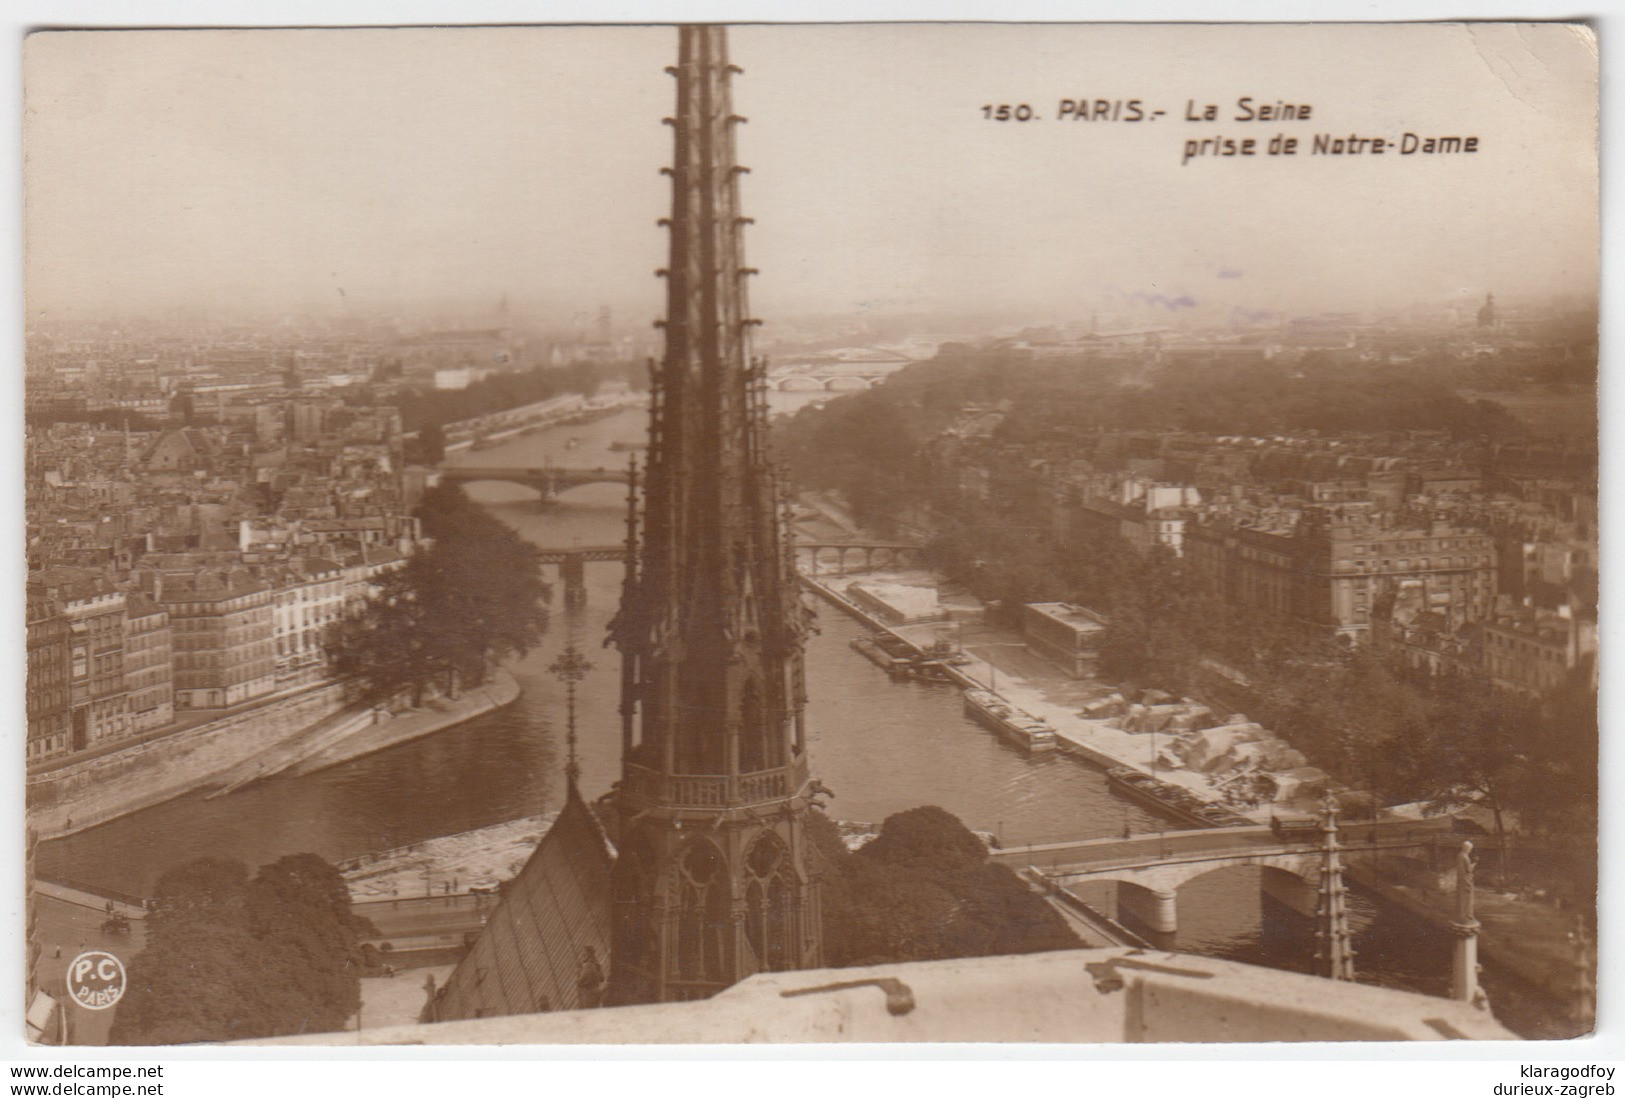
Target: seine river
[(881, 745)]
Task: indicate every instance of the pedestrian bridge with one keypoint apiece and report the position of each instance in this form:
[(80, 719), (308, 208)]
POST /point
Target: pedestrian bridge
[(1150, 869)]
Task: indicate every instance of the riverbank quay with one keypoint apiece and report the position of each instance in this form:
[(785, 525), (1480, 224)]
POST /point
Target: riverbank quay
[(1526, 939), (85, 792), (436, 714), (103, 902), (480, 859), (1091, 926), (485, 431), (310, 727), (998, 661)]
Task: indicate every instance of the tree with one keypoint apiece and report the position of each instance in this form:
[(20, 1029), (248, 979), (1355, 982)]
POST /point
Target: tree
[(389, 646), (429, 448), (1482, 750), (927, 838), (1557, 792), (1126, 648), (473, 598), (485, 596), (301, 903), (232, 959), (923, 889)]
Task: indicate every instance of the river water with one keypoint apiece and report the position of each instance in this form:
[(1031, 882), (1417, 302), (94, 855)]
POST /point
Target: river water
[(881, 745)]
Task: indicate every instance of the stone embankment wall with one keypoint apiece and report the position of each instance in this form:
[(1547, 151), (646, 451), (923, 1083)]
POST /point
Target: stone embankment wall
[(1535, 948), (82, 795)]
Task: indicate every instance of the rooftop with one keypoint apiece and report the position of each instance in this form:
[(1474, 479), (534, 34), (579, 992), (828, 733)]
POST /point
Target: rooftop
[(1072, 996)]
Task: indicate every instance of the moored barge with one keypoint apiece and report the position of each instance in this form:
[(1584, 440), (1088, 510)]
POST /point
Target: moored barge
[(1170, 799), (1024, 729), (875, 654)]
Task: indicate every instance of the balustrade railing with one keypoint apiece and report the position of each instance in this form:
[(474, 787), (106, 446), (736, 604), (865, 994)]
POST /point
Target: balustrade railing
[(714, 790)]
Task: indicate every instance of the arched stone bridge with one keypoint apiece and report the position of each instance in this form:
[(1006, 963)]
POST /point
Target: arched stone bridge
[(825, 383), (841, 557), (1153, 867), (549, 480)]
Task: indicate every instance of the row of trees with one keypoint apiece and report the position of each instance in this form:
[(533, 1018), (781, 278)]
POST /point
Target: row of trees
[(1359, 714), (869, 445), (509, 389), (229, 957), (426, 411), (445, 619), (1326, 393)]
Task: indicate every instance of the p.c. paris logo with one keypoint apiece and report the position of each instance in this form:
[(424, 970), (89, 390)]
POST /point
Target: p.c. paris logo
[(96, 980)]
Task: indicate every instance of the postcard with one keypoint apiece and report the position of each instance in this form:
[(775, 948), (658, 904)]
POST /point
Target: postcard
[(929, 532)]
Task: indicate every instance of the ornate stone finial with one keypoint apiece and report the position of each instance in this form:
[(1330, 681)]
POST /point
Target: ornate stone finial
[(570, 668)]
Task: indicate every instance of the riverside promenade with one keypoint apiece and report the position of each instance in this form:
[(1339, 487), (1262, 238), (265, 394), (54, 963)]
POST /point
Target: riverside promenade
[(999, 661), (435, 715), (298, 735)]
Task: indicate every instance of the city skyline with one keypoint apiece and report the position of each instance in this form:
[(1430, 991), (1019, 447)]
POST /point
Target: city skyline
[(376, 169)]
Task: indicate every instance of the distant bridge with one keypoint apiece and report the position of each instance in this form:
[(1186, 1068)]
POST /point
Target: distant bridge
[(855, 555), (842, 556), (583, 553), (549, 480), (1153, 867), (826, 383)]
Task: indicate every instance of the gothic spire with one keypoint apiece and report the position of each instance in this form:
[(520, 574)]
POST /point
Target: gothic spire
[(712, 881), (711, 621)]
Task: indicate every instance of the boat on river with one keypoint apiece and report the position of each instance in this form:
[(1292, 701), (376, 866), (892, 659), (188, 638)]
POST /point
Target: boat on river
[(935, 660), (1170, 799), (1021, 728), (871, 651)]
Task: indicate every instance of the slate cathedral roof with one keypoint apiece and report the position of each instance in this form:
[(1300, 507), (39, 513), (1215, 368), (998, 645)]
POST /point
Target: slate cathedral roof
[(529, 957)]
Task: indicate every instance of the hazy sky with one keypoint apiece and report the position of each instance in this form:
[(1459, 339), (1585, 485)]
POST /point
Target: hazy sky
[(277, 167)]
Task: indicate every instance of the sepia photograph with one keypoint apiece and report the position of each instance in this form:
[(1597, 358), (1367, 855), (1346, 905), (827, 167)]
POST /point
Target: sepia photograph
[(1017, 533)]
